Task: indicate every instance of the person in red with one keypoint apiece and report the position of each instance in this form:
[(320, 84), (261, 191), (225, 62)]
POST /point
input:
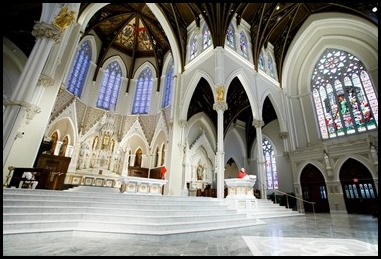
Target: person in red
[(242, 173), (163, 170)]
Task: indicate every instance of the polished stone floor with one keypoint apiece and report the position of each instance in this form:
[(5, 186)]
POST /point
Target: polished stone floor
[(306, 235)]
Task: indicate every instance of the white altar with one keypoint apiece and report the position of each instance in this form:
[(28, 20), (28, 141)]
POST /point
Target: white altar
[(196, 185), (241, 193), (139, 185)]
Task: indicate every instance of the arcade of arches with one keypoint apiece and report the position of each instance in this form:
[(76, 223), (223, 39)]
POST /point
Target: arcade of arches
[(121, 96)]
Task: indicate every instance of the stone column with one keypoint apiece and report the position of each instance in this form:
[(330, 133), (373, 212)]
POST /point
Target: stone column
[(220, 107), (258, 124), (36, 79), (21, 100)]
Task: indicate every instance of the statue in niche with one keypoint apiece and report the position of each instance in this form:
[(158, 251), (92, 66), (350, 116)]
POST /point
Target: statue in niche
[(106, 140), (200, 172)]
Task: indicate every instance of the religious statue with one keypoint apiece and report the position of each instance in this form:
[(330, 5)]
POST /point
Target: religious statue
[(326, 159), (64, 18), (200, 170), (220, 93)]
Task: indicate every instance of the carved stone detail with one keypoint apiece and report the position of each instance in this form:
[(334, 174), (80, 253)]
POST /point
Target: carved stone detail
[(45, 81), (220, 106), (283, 135), (258, 123), (31, 112), (44, 30)]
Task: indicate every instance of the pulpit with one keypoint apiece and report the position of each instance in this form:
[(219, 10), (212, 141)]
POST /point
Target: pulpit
[(240, 193)]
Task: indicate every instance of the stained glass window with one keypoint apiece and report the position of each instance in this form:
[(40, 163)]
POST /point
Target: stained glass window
[(243, 44), (270, 66), (79, 69), (230, 39), (206, 37), (143, 91), (344, 97), (270, 165), (261, 62), (193, 50), (108, 93), (168, 86)]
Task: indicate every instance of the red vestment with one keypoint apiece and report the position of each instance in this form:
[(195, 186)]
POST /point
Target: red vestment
[(241, 174)]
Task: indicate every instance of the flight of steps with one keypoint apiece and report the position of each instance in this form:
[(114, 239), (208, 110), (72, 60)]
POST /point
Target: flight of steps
[(94, 210)]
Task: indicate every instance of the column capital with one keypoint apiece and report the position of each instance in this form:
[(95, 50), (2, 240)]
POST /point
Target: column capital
[(283, 135), (258, 123), (45, 30), (220, 106), (182, 123)]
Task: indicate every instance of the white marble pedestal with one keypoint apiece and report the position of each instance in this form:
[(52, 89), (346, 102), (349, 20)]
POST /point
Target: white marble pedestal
[(241, 194)]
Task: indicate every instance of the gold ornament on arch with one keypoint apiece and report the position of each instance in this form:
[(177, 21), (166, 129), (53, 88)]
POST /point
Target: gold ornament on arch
[(220, 93), (64, 18)]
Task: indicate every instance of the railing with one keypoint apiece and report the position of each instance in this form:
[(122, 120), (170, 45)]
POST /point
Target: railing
[(300, 199), (287, 195)]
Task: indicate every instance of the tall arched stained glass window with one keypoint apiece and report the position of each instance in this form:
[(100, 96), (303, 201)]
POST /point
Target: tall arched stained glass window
[(243, 44), (206, 37), (261, 62), (79, 70), (270, 165), (270, 66), (168, 85), (230, 36), (344, 97), (108, 93), (143, 91), (193, 50)]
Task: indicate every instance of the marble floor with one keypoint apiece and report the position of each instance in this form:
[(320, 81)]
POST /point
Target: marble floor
[(307, 235)]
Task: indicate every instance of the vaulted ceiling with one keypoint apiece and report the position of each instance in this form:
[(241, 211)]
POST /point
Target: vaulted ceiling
[(133, 29)]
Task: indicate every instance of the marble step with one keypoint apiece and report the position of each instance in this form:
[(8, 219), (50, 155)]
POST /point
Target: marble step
[(89, 211), (113, 200), (189, 212), (109, 205), (115, 218), (125, 227), (123, 196)]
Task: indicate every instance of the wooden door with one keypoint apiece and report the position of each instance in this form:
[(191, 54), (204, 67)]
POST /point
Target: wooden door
[(314, 190), (360, 194)]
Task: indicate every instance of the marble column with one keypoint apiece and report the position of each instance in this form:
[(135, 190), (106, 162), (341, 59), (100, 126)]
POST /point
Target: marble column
[(220, 107), (258, 124), (21, 99)]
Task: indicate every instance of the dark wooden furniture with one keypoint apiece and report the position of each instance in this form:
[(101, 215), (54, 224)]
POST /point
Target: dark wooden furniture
[(57, 165), (41, 175)]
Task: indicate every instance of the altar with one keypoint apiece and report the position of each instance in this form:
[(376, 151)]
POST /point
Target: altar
[(139, 185), (196, 186), (241, 193)]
